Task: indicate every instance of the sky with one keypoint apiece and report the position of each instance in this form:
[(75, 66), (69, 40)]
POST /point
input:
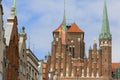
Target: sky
[(42, 17)]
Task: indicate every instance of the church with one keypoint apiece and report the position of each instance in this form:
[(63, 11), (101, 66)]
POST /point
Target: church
[(68, 60)]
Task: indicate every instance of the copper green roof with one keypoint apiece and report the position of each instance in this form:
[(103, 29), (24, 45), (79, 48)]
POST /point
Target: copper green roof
[(14, 6), (64, 26), (64, 20), (105, 31)]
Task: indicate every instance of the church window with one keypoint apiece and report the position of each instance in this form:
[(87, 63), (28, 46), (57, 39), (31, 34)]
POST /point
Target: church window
[(73, 54), (70, 49)]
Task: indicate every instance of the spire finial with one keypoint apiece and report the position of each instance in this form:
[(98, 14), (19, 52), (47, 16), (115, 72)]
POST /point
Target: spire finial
[(23, 29)]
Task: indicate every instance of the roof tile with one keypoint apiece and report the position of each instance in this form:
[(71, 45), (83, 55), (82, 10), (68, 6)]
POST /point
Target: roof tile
[(73, 28)]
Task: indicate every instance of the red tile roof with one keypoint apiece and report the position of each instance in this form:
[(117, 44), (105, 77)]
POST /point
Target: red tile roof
[(115, 65), (59, 28), (73, 28)]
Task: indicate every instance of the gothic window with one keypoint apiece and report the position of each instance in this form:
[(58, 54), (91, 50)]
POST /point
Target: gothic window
[(70, 49), (73, 54)]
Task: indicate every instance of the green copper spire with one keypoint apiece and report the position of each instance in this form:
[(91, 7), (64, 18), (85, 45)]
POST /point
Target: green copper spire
[(105, 32), (64, 27), (14, 7), (64, 19)]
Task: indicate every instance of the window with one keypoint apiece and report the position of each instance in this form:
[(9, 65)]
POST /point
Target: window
[(20, 68), (73, 54)]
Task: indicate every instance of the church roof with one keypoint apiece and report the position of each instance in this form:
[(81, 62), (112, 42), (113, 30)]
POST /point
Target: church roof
[(72, 28), (115, 65)]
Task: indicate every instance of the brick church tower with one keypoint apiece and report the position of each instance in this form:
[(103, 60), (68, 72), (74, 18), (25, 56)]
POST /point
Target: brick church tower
[(105, 42), (68, 60), (67, 48)]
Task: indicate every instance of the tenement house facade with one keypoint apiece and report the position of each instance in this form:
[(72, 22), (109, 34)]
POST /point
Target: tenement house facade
[(2, 43), (22, 55), (32, 66)]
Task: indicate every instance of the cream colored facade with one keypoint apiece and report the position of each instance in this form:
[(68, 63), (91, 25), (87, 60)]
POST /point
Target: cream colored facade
[(40, 77), (32, 66), (22, 55), (2, 45)]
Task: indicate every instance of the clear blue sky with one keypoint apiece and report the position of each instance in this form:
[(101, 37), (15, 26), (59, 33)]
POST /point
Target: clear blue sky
[(41, 17)]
